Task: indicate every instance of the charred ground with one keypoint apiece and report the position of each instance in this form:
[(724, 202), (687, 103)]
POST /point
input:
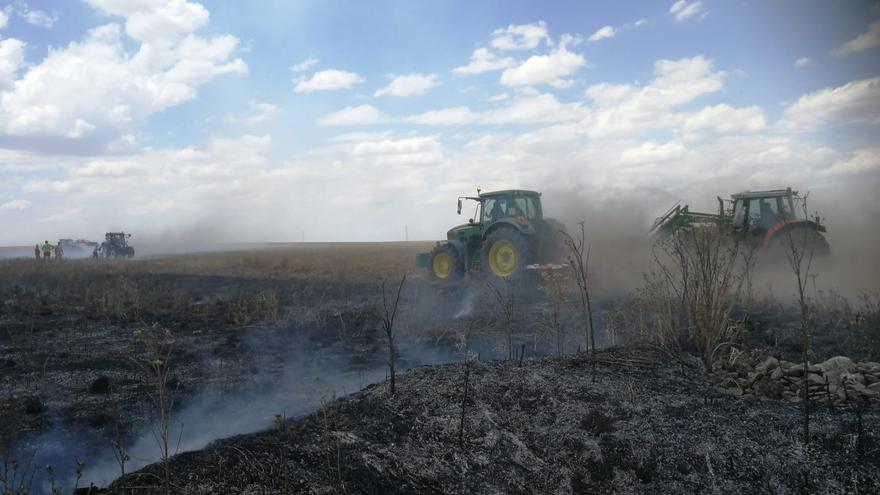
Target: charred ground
[(251, 327)]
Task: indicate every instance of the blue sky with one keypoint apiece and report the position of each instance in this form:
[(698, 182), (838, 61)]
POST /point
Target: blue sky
[(348, 120)]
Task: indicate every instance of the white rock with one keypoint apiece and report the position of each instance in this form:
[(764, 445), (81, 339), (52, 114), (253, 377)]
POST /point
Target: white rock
[(838, 363)]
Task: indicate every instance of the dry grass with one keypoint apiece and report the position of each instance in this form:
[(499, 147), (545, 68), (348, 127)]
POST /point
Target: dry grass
[(330, 261), (311, 261)]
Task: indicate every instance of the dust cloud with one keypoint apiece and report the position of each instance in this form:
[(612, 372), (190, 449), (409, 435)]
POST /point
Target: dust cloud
[(617, 228)]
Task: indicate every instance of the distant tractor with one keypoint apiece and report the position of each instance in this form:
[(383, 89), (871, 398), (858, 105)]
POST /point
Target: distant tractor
[(761, 218), (116, 245), (507, 236)]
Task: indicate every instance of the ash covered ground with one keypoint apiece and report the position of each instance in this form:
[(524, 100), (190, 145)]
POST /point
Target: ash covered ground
[(648, 424), (279, 333)]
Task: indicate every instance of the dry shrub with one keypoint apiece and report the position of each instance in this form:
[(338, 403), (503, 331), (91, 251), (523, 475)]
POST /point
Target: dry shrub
[(689, 302)]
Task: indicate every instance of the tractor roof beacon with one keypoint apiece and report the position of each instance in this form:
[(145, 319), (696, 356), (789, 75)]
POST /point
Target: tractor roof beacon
[(507, 235)]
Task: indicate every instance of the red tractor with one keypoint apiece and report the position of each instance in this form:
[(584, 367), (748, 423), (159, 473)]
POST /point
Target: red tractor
[(762, 218)]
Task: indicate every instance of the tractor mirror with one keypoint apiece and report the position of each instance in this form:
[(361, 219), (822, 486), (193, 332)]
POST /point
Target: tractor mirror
[(459, 206)]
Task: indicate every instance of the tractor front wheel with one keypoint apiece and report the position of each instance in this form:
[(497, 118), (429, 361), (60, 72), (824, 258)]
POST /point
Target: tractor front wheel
[(444, 264), (506, 252)]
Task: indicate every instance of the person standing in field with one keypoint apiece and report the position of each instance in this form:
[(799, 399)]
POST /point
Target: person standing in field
[(59, 251), (37, 251), (47, 250)]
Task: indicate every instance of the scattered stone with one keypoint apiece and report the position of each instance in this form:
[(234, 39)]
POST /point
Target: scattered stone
[(769, 364), (776, 379), (815, 379), (838, 363), (795, 371)]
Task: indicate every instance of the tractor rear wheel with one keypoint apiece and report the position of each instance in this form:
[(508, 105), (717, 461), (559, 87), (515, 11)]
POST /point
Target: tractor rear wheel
[(506, 252), (810, 241), (444, 264)]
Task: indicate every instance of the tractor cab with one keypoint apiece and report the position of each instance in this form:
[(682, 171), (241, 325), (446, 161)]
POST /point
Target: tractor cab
[(116, 236), (519, 206), (755, 213)]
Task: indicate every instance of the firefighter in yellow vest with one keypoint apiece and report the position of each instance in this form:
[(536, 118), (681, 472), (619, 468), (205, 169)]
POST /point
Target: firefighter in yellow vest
[(47, 250)]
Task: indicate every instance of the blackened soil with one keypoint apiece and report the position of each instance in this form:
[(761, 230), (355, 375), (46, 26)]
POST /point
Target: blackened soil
[(648, 424)]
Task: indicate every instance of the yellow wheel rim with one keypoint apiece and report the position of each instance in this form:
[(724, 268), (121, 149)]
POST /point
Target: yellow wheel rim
[(502, 258), (442, 265)]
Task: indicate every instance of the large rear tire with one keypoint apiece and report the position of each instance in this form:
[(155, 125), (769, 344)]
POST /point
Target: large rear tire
[(506, 252), (805, 239), (444, 264)]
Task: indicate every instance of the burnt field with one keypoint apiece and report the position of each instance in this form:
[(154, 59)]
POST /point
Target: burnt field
[(276, 340)]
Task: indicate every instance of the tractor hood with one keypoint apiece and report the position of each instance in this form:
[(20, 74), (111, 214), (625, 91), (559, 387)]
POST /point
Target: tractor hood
[(463, 230)]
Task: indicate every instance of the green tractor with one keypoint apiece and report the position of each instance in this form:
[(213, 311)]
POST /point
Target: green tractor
[(507, 236)]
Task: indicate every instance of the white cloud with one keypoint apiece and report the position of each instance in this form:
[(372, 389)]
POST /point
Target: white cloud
[(416, 150), (520, 37), (856, 101), (363, 136), (602, 33), (860, 162), (409, 85), (47, 186), (725, 119), (542, 108), (862, 42), (683, 10), (4, 19), (38, 17), (328, 80), (640, 23), (15, 204), (623, 108), (304, 65), (482, 60), (96, 87), (11, 59), (446, 116), (348, 116), (550, 69), (652, 152), (803, 62), (537, 109), (260, 112), (156, 21)]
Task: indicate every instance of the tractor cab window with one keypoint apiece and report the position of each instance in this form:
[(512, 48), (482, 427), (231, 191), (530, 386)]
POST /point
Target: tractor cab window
[(494, 209), (763, 213), (525, 206)]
